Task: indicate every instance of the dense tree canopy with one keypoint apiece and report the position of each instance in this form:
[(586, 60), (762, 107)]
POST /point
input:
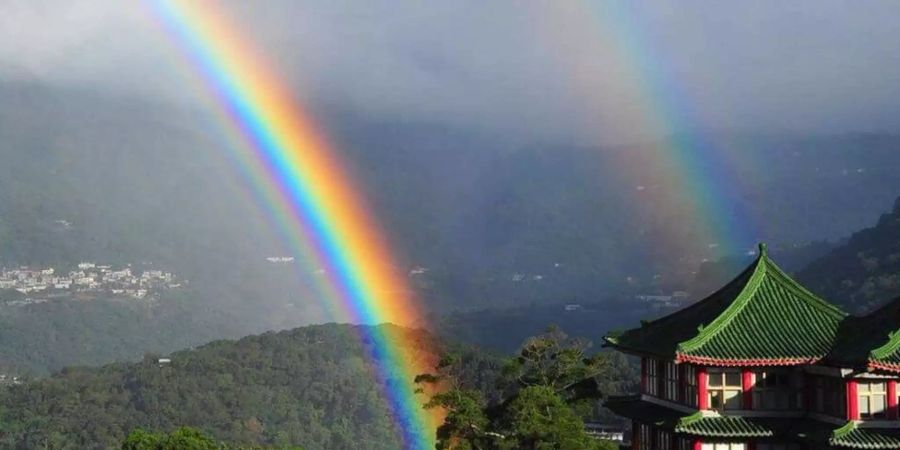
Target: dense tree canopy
[(310, 386), (540, 400), (183, 438)]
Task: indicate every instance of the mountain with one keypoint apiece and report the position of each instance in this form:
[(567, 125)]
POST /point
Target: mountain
[(476, 220), (42, 338), (864, 272), (139, 181), (309, 386)]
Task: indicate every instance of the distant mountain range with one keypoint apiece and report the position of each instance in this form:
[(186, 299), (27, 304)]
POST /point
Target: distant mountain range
[(864, 272), (494, 221), (477, 221)]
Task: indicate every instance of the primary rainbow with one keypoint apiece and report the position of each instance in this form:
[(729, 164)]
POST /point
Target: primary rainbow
[(313, 201)]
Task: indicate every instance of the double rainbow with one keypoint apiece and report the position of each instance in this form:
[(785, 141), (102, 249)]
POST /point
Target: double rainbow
[(314, 202)]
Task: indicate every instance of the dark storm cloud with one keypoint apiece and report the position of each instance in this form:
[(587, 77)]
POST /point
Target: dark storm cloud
[(532, 68)]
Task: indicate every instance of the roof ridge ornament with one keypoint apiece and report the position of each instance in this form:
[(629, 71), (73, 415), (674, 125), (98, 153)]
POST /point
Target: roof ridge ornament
[(763, 249)]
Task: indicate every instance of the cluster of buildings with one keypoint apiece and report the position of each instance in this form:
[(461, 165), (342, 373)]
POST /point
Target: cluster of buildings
[(88, 278), (764, 364)]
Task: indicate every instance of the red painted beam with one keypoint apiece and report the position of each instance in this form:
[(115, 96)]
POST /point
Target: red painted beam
[(852, 402), (702, 397), (892, 399), (747, 387)]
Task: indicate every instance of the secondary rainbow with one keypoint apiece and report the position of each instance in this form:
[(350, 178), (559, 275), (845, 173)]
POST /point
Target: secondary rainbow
[(615, 48), (310, 197), (691, 155)]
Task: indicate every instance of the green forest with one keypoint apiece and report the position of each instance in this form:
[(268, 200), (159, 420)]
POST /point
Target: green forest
[(309, 386)]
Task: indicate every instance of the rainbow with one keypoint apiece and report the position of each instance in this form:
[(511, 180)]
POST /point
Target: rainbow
[(692, 157), (616, 48), (311, 198)]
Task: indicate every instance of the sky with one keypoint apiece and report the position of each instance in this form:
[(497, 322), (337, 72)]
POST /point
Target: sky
[(582, 70)]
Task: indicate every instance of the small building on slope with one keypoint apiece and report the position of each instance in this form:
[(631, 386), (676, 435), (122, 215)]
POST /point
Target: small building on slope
[(764, 364)]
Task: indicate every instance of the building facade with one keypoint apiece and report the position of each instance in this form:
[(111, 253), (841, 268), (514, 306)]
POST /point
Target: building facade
[(764, 364)]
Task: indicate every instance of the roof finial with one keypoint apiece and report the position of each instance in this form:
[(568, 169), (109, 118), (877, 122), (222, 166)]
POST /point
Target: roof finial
[(763, 249)]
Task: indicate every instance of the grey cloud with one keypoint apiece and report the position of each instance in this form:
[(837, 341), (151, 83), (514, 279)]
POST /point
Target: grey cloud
[(532, 68)]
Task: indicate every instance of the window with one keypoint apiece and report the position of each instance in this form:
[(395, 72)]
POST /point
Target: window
[(663, 440), (645, 437), (724, 446), (724, 389), (685, 444), (689, 385), (872, 399), (773, 390), (829, 396), (652, 369), (670, 382)]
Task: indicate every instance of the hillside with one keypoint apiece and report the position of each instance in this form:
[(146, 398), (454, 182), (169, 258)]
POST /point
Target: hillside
[(477, 221), (144, 182), (308, 386), (863, 272), (39, 339)]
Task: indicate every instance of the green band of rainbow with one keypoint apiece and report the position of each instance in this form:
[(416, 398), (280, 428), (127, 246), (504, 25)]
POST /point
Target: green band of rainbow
[(312, 200)]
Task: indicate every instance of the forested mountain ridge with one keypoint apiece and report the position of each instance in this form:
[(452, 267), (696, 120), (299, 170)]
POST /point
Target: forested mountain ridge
[(864, 272), (485, 222), (309, 387), (39, 339)]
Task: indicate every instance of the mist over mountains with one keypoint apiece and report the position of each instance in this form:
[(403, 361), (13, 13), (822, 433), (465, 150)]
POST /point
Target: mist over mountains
[(492, 221)]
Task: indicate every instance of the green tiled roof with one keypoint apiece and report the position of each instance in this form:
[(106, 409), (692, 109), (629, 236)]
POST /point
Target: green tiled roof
[(814, 433), (695, 424), (871, 342), (851, 436), (721, 426), (761, 317)]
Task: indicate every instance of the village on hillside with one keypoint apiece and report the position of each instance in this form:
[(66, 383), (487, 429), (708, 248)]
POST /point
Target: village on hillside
[(90, 280)]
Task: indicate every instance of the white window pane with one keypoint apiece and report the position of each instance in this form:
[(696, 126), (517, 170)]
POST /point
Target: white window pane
[(737, 446), (878, 404), (864, 405), (862, 387), (707, 447)]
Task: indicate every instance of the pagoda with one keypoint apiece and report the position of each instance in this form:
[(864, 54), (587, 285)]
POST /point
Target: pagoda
[(764, 364)]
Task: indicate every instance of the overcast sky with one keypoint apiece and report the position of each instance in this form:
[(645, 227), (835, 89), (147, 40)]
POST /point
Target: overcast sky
[(595, 70)]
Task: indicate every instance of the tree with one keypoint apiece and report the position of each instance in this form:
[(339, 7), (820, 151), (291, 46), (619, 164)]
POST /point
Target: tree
[(465, 423), (545, 390), (539, 419), (556, 361), (184, 438)]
